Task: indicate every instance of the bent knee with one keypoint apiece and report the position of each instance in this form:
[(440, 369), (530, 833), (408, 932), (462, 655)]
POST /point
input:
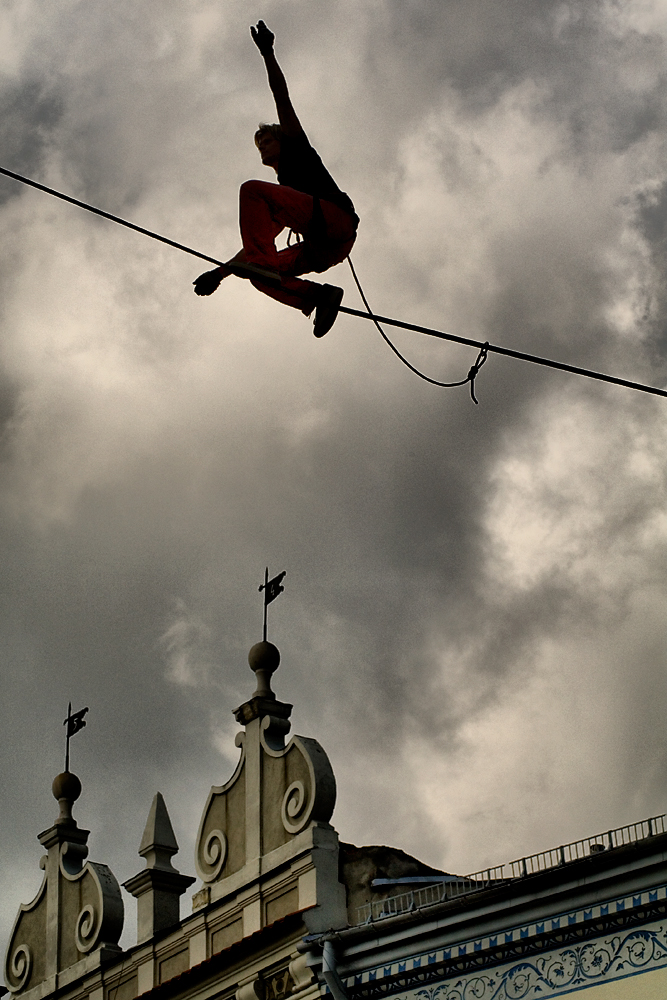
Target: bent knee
[(254, 188)]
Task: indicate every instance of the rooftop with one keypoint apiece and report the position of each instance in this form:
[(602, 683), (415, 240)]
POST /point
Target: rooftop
[(556, 857)]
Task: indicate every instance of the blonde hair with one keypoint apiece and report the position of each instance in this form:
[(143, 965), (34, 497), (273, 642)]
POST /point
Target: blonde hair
[(275, 131)]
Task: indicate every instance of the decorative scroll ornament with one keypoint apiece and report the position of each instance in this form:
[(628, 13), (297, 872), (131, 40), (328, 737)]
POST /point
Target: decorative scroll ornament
[(80, 928), (59, 928), (312, 795), (87, 926), (19, 968), (214, 854), (292, 811), (20, 960), (100, 920), (293, 783), (265, 835), (223, 820)]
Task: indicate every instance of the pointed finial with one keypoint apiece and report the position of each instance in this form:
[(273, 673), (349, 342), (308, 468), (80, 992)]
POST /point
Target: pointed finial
[(158, 843), (159, 885)]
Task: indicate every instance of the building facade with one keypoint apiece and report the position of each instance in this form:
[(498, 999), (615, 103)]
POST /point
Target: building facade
[(284, 910)]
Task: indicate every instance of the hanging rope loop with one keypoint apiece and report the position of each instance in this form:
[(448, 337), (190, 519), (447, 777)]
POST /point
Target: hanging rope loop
[(470, 377), (472, 374)]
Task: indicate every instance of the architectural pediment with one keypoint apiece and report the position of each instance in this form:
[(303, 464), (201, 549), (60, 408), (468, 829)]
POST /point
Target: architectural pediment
[(77, 915), (265, 842)]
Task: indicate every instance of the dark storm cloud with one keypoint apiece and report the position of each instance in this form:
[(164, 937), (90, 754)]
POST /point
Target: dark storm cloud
[(453, 571), (652, 221), (9, 395), (30, 111), (581, 52)]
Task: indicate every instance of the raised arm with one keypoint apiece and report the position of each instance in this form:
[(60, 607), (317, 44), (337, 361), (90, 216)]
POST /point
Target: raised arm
[(263, 39)]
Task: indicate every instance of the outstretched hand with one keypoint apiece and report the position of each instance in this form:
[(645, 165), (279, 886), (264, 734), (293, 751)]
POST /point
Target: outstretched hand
[(263, 38)]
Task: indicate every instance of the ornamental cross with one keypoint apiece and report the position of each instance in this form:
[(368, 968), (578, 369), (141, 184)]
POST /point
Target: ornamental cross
[(271, 588)]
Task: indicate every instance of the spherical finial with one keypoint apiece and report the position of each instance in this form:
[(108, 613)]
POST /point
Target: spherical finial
[(66, 789), (264, 656), (66, 786), (264, 659)]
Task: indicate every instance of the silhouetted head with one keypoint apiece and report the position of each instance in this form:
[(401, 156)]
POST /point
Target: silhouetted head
[(267, 140)]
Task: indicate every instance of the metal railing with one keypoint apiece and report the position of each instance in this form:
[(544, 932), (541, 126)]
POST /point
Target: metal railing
[(428, 895), (584, 848)]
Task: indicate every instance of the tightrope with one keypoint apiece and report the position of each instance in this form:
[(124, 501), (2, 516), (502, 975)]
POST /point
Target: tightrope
[(107, 215), (491, 348), (374, 317)]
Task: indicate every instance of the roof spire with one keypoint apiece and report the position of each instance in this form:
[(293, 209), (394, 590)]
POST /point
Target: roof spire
[(158, 843), (159, 886), (66, 786)]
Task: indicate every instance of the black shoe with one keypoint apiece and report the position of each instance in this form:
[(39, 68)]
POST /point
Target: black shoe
[(264, 274), (327, 308)]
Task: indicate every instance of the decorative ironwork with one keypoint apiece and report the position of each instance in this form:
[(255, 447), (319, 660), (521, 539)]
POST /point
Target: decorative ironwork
[(591, 845), (74, 723), (272, 589), (461, 960), (559, 972), (428, 895)]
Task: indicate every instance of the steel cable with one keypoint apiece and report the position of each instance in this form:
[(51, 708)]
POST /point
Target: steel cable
[(484, 348)]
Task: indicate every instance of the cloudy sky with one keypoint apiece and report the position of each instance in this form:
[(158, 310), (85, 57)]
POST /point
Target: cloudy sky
[(473, 624)]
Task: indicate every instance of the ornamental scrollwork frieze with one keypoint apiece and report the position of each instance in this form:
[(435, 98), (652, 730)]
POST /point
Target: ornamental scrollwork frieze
[(558, 973)]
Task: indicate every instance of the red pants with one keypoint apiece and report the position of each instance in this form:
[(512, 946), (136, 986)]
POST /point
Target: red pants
[(265, 210)]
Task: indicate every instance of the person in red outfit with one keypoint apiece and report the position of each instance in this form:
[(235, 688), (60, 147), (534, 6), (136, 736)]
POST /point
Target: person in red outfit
[(306, 200)]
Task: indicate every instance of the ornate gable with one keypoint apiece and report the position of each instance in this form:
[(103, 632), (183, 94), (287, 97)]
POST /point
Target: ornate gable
[(265, 841), (76, 918)]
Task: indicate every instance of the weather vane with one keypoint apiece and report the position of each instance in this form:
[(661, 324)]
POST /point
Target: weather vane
[(74, 723), (271, 588)]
